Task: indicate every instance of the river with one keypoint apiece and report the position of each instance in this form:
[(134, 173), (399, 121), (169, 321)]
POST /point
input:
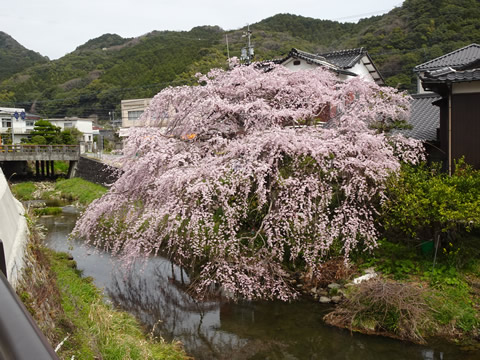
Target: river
[(152, 291)]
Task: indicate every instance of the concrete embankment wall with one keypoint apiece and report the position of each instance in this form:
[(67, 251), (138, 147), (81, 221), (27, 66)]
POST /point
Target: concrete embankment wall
[(13, 231), (96, 171)]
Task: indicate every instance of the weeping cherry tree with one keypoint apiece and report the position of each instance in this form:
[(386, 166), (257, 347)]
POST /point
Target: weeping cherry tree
[(258, 171)]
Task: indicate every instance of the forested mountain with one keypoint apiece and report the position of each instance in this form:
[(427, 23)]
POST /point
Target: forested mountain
[(14, 58), (97, 75)]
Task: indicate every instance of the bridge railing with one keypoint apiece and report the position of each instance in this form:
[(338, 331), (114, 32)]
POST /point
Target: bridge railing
[(33, 149)]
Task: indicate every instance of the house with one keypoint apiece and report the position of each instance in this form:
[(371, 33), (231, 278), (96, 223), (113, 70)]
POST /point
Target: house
[(453, 80), (464, 58), (83, 125), (132, 109), (16, 124), (345, 63)]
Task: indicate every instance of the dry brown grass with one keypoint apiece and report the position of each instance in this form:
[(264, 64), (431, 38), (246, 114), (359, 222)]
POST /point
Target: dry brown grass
[(383, 307)]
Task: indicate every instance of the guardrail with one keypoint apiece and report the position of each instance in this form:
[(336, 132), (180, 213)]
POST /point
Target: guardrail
[(39, 152), (29, 149), (20, 337)]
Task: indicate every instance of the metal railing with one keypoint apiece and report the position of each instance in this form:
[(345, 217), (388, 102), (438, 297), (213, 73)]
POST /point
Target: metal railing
[(29, 149), (20, 337), (19, 152)]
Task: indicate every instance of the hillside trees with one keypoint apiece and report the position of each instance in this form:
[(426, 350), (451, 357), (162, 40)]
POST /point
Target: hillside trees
[(238, 192)]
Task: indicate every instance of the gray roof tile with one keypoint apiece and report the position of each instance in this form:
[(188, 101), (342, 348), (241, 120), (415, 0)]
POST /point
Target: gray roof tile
[(424, 117), (458, 59), (344, 59), (452, 76)]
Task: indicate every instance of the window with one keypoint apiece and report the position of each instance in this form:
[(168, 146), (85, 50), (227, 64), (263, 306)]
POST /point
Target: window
[(67, 125), (30, 122), (7, 123), (297, 62), (134, 115)]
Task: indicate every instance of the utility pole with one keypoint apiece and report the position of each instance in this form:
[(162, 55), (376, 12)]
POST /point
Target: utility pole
[(247, 52), (228, 50)]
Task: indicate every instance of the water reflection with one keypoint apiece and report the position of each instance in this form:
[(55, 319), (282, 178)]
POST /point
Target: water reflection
[(152, 291)]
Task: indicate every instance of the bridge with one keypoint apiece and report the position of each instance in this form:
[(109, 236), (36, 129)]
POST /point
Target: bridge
[(43, 155)]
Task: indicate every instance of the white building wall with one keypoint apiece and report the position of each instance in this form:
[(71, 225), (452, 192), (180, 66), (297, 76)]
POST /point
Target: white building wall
[(302, 65), (466, 88)]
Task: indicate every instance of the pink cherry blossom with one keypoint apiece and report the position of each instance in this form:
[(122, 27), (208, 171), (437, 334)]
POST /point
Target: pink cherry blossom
[(255, 169)]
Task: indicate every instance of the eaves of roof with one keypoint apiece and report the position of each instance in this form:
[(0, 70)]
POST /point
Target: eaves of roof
[(450, 75), (458, 59)]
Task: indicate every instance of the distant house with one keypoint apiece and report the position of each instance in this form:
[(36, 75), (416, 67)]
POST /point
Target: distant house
[(345, 63), (16, 124), (82, 124), (132, 109), (453, 81)]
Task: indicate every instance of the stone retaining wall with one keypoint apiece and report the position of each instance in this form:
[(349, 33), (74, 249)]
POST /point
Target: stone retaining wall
[(95, 171)]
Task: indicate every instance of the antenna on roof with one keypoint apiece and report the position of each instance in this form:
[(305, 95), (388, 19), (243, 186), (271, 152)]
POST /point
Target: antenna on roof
[(247, 52)]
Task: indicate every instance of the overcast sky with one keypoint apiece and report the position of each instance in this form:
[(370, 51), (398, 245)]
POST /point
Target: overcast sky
[(56, 27)]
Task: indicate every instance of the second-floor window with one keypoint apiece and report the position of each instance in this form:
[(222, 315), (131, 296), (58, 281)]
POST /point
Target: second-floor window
[(67, 125), (30, 123), (7, 123), (134, 115)]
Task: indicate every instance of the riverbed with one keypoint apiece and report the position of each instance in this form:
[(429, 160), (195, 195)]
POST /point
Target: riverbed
[(152, 290)]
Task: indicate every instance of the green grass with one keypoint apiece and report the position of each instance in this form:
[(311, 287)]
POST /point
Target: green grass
[(23, 191), (95, 329), (80, 190), (47, 211), (61, 167)]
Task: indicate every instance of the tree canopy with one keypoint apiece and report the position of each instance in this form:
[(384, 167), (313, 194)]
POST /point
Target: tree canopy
[(247, 182), (45, 133)]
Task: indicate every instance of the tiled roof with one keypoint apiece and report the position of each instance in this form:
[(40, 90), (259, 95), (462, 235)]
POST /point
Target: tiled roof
[(458, 59), (316, 59), (424, 117), (344, 59), (450, 75)]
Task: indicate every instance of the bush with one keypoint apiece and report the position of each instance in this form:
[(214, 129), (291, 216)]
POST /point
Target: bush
[(389, 308), (425, 203)]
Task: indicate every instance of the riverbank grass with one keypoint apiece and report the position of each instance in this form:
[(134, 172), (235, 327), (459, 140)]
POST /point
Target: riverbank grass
[(24, 191), (69, 190), (80, 190)]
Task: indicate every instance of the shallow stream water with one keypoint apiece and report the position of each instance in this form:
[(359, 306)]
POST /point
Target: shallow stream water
[(152, 291)]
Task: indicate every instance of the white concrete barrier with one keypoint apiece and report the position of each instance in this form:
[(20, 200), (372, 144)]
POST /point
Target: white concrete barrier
[(13, 230)]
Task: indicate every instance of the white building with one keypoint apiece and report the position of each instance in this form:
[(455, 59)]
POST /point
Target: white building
[(83, 125), (16, 124)]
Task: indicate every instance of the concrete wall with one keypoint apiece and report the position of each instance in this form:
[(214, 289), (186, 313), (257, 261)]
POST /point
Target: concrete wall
[(95, 171), (13, 230)]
